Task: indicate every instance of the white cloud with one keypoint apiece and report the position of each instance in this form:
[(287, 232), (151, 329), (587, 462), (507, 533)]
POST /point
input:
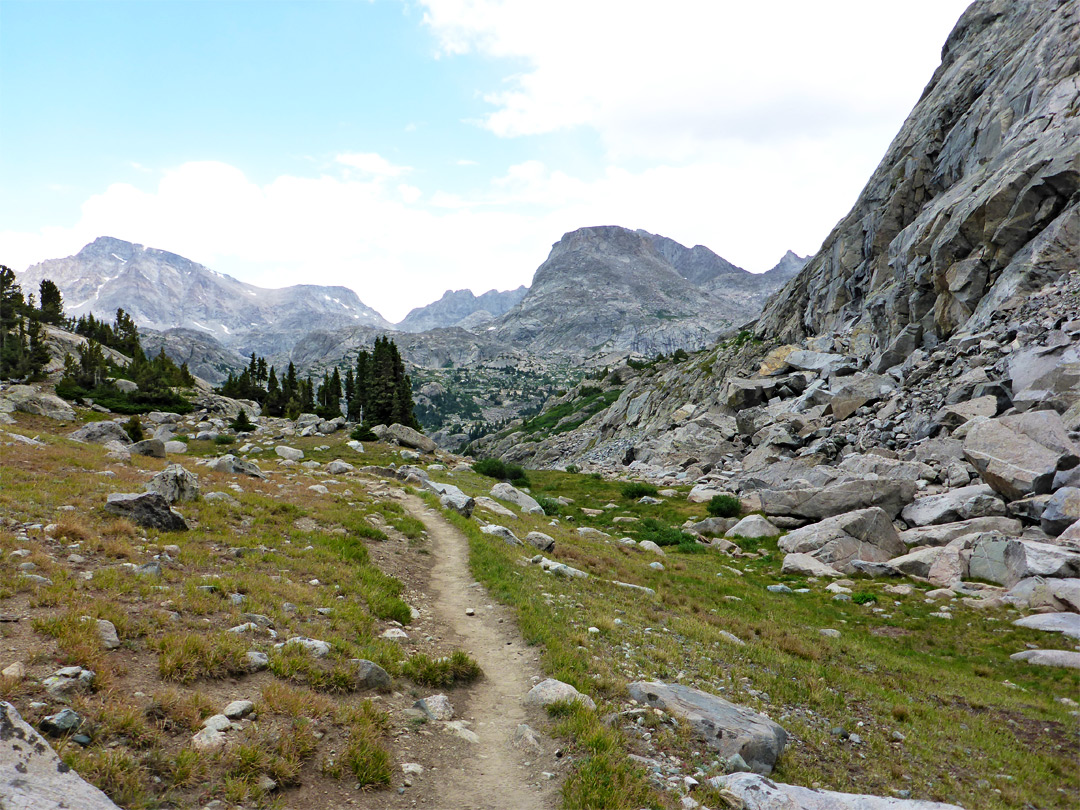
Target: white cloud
[(682, 79), (372, 164)]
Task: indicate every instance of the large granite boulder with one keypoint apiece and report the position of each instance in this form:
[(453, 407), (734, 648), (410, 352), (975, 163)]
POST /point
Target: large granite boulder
[(100, 433), (237, 466), (175, 484), (32, 776), (1062, 511), (866, 534), (154, 448), (939, 534), (147, 509), (27, 399), (961, 504), (839, 498), (1019, 456), (506, 492), (458, 502), (758, 793), (724, 726), (406, 437)]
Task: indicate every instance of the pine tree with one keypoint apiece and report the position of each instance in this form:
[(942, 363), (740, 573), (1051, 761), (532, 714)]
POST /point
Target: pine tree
[(52, 303)]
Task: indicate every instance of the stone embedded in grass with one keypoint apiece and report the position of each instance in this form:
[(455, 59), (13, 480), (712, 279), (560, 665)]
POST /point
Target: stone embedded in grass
[(255, 661), (755, 792), (492, 505), (320, 649), (506, 492), (147, 509), (106, 631), (753, 527), (542, 541), (724, 726), (63, 722), (289, 453), (633, 587), (394, 634), (649, 545), (238, 709), (807, 565), (551, 691), (458, 502), (15, 672), (217, 722), (68, 680), (501, 531), (369, 675), (1049, 658), (436, 707), (780, 588), (656, 566), (1066, 623), (208, 739), (828, 632)]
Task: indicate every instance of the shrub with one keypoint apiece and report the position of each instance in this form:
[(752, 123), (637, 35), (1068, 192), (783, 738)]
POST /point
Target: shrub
[(497, 468), (133, 428), (242, 424), (662, 535), (863, 598), (573, 468), (636, 489), (362, 433), (440, 672), (224, 438), (551, 507), (724, 506)]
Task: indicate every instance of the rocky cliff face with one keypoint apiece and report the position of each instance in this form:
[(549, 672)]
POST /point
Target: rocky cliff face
[(609, 290), (976, 202), (458, 308), (162, 291)]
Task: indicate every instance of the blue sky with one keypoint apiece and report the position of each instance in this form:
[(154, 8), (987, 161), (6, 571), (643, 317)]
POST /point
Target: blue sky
[(405, 148)]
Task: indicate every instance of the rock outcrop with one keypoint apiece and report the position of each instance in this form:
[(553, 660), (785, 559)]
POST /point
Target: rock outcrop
[(975, 203)]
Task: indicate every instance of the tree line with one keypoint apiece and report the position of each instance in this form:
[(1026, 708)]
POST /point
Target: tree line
[(23, 355), (375, 391)]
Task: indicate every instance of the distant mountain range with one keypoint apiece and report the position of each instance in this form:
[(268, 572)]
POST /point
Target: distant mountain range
[(602, 291)]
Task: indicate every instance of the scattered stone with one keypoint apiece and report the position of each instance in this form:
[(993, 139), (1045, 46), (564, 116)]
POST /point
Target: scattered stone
[(720, 724), (63, 722), (550, 691), (175, 484), (319, 649), (1065, 623), (289, 453), (541, 541), (106, 631), (503, 532), (435, 707), (147, 509), (239, 709), (505, 492)]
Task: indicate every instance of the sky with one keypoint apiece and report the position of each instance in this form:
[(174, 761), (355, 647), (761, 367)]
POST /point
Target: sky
[(406, 147)]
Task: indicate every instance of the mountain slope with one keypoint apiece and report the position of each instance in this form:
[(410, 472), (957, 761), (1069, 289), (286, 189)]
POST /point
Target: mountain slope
[(456, 306), (976, 201), (609, 290), (162, 291)]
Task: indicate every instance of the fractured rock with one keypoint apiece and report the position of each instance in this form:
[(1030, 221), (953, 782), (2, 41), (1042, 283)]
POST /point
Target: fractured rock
[(866, 534), (147, 509)]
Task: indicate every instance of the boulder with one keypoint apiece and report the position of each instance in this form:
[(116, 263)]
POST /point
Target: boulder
[(840, 498), (175, 484), (551, 691), (501, 531), (916, 563), (753, 527), (888, 468), (369, 675), (724, 726), (1058, 594), (175, 448), (866, 534), (407, 437), (541, 541), (1049, 658), (339, 467), (716, 526), (703, 493), (961, 504), (1012, 461), (1065, 623), (1028, 558), (1062, 511), (755, 792), (27, 399), (505, 492), (806, 565), (289, 453), (458, 502), (940, 534), (100, 433), (238, 466), (856, 391), (494, 506), (33, 776), (154, 448), (147, 509)]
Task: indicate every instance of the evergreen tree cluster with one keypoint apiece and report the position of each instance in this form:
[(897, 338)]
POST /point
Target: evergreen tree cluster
[(90, 376), (23, 355), (376, 391)]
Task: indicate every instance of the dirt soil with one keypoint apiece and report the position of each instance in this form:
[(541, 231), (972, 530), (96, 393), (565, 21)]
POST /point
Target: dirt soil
[(493, 773)]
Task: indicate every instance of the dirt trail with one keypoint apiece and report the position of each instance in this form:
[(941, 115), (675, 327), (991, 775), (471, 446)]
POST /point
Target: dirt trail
[(492, 774)]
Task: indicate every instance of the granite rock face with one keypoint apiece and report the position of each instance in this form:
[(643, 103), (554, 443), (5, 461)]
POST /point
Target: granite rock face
[(975, 203), (32, 776)]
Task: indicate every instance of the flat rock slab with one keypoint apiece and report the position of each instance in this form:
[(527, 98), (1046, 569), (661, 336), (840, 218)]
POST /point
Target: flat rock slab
[(1066, 623), (1069, 659), (816, 503), (728, 728), (759, 793), (32, 776)]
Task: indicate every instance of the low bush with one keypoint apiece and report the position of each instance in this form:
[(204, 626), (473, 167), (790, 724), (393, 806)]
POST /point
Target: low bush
[(458, 668), (551, 507), (724, 506), (133, 428), (636, 489), (497, 468)]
